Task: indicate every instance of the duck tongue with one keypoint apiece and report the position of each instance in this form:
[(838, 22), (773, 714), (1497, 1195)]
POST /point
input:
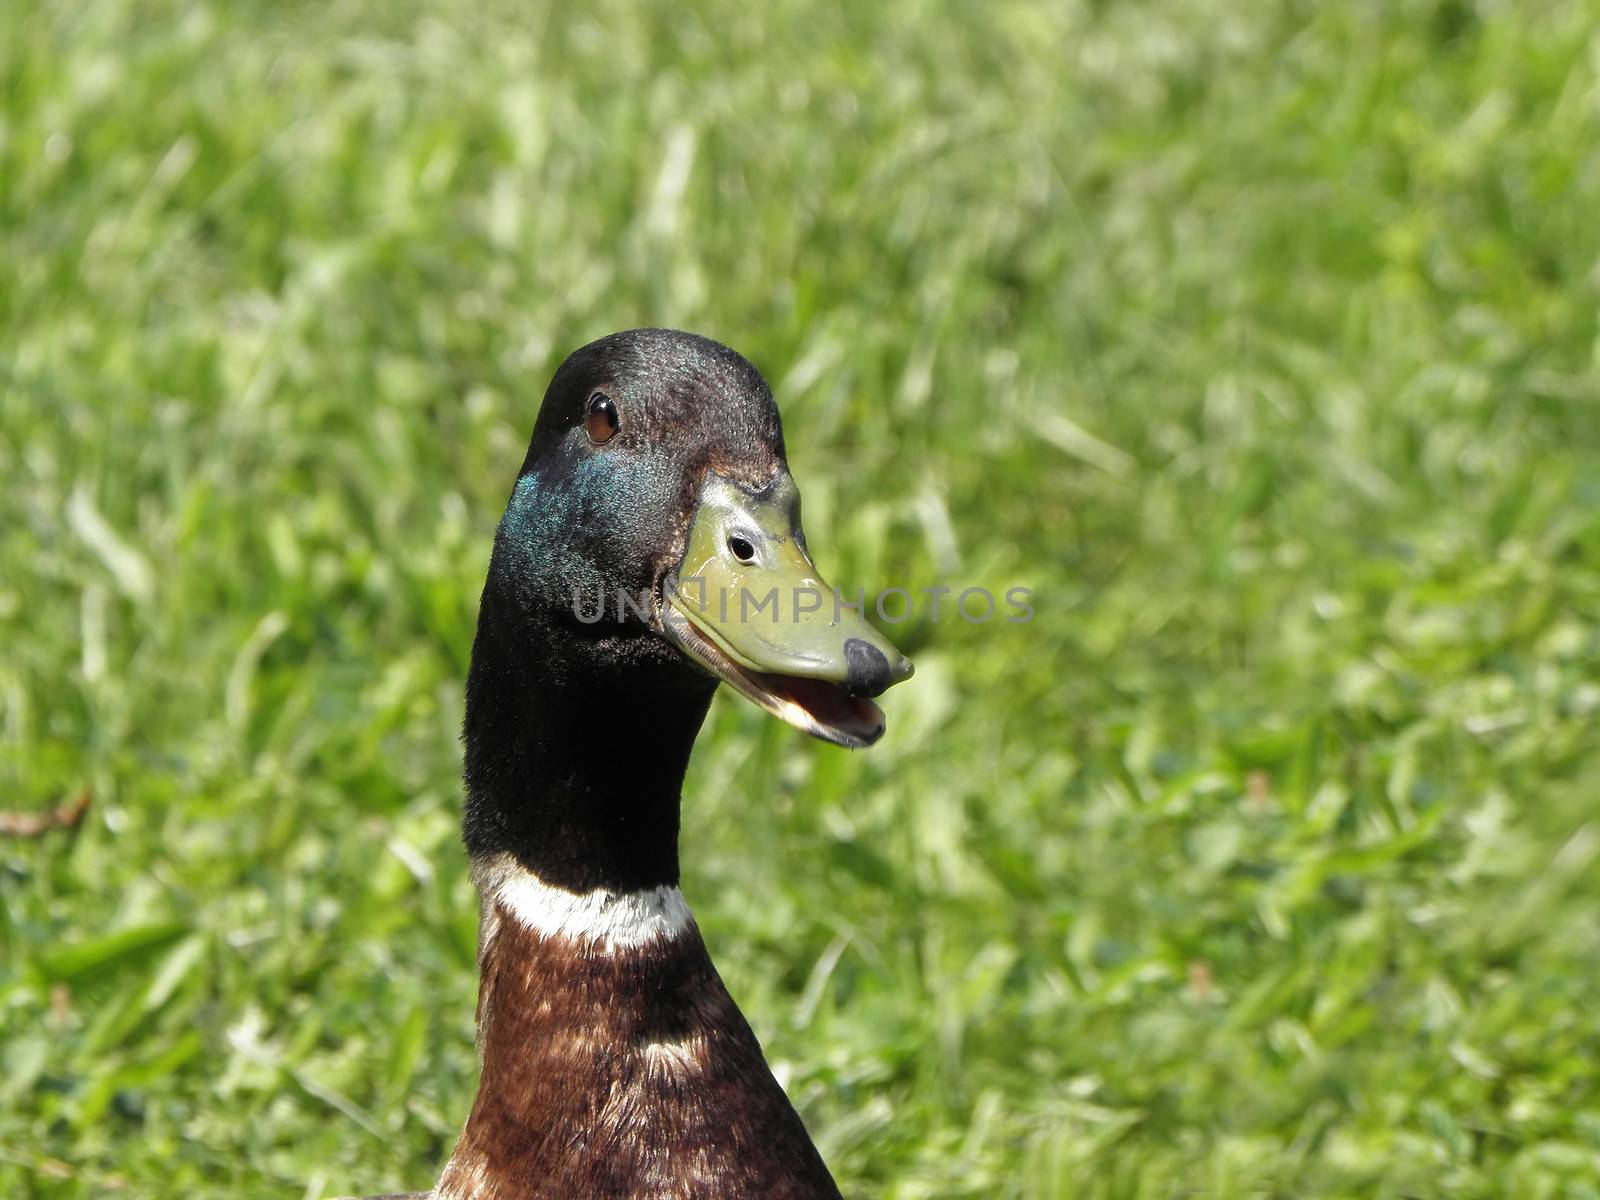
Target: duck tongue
[(828, 704)]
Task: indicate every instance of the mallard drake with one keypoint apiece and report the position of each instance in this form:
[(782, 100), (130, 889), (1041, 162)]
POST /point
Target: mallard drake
[(651, 548)]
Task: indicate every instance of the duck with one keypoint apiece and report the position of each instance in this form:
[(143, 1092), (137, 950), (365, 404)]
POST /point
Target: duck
[(651, 550)]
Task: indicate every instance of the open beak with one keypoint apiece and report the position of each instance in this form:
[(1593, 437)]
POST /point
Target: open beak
[(748, 605)]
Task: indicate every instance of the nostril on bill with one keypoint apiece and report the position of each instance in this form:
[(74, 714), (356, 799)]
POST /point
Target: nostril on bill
[(867, 670)]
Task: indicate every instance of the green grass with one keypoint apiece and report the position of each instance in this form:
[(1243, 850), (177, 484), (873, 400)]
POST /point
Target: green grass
[(1259, 340)]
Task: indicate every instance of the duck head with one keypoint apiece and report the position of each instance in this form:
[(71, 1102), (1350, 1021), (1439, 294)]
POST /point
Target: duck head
[(655, 519), (651, 548)]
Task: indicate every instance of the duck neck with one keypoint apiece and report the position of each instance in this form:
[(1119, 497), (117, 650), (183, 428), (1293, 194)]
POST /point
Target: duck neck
[(576, 748), (614, 1062)]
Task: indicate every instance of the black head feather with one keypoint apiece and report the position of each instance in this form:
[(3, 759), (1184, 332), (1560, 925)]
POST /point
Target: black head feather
[(577, 732)]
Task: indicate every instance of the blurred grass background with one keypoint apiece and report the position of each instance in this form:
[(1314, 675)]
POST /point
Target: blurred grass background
[(1259, 340)]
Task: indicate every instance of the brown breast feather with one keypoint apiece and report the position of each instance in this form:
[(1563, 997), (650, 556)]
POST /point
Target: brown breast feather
[(622, 1074)]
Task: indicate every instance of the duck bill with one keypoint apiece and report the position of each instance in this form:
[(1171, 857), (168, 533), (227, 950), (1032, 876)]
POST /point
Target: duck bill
[(748, 605)]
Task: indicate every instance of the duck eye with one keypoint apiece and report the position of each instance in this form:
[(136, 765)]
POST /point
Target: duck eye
[(742, 549), (600, 418)]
